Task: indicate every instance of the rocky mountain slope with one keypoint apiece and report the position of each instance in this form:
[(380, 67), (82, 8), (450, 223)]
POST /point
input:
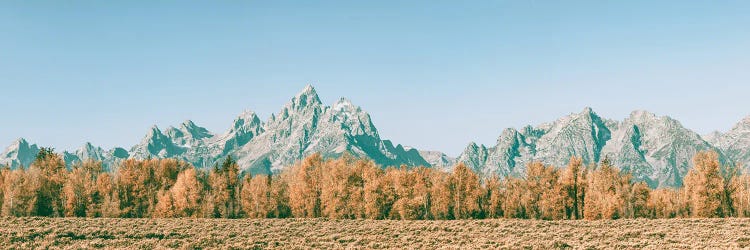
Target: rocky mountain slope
[(19, 153), (655, 149), (735, 144), (438, 159), (304, 126)]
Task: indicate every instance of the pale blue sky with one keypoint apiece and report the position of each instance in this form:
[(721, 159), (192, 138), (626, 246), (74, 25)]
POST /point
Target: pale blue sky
[(433, 74)]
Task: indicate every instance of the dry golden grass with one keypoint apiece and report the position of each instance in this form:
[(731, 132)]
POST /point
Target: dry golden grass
[(79, 233)]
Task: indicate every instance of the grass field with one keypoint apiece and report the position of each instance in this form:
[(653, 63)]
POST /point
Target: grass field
[(319, 233)]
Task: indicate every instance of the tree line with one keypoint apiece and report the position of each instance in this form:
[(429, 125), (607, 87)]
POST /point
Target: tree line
[(350, 188)]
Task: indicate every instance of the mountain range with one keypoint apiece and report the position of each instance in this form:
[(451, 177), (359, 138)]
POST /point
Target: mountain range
[(655, 149)]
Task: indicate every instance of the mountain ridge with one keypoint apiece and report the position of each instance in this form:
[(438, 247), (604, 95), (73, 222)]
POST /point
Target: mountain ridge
[(655, 149)]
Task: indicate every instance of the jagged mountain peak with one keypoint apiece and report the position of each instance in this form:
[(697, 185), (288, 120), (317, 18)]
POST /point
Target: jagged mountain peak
[(247, 114), (654, 148), (507, 134), (585, 116), (247, 118), (87, 147), (306, 126), (188, 124), (474, 146), (475, 157), (735, 143), (645, 118), (156, 134), (580, 134), (194, 131), (351, 118), (88, 151), (308, 90), (743, 124), (19, 144), (344, 104), (306, 98), (19, 153), (641, 114), (20, 140), (153, 131), (587, 113), (245, 127), (173, 132), (587, 110), (304, 104), (157, 144)]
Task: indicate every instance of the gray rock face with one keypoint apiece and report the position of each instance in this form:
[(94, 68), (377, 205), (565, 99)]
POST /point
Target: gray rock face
[(654, 149), (303, 127), (109, 158), (735, 143), (438, 160), (19, 154), (658, 150)]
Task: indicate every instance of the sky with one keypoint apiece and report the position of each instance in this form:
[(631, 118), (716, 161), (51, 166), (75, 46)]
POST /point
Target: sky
[(434, 75)]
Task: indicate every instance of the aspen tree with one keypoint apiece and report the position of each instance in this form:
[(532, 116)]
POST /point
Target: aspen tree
[(704, 186)]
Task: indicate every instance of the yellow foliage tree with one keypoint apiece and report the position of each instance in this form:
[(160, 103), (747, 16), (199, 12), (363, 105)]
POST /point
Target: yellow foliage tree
[(605, 193), (184, 198), (492, 205), (466, 191), (704, 186), (257, 201), (20, 193), (543, 198), (638, 201), (375, 191), (108, 197), (305, 187), (741, 196), (78, 191), (50, 172)]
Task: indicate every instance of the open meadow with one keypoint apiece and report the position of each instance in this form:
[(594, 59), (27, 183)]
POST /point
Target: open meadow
[(77, 233)]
